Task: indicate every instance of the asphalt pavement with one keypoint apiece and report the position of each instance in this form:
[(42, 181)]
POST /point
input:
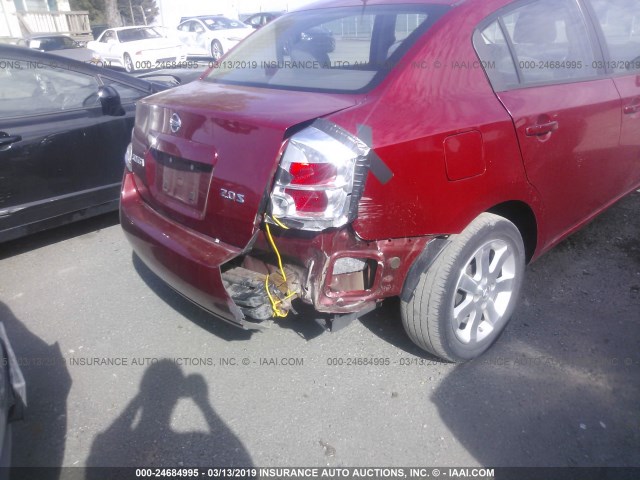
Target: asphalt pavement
[(122, 371)]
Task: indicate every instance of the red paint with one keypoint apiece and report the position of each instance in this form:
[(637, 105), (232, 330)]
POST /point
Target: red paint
[(464, 155), (456, 149)]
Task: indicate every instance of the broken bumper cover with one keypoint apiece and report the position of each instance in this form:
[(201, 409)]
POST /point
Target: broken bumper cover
[(187, 261)]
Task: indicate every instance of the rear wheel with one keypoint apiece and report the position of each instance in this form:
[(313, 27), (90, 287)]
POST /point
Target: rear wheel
[(465, 299), (128, 63), (216, 50)]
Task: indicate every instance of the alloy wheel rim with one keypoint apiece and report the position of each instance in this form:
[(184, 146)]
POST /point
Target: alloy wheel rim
[(216, 52), (483, 292)]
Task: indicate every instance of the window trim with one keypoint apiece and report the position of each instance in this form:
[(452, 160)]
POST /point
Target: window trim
[(594, 41)]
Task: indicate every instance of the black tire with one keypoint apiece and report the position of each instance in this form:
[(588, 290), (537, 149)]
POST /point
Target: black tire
[(128, 63), (216, 50), (436, 317)]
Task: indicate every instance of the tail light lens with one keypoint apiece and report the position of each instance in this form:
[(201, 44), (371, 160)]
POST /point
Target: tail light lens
[(320, 178)]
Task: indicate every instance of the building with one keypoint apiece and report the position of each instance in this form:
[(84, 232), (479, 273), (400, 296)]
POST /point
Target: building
[(26, 17)]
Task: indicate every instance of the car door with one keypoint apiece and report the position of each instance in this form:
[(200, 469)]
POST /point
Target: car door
[(58, 152), (566, 115), (110, 46), (186, 36), (100, 45), (619, 29), (200, 39)]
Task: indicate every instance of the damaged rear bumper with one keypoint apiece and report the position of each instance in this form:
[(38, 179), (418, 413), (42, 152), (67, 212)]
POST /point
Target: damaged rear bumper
[(335, 271), (189, 262)]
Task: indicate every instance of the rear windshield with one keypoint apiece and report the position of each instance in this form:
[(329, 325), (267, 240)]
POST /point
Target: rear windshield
[(346, 49)]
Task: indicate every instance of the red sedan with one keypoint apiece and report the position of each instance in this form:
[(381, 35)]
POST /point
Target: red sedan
[(429, 152)]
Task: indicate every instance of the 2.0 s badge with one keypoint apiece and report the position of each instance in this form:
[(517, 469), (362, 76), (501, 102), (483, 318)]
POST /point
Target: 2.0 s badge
[(233, 196)]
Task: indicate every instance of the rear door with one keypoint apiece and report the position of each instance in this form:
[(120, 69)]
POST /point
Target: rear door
[(567, 116), (200, 37), (619, 24)]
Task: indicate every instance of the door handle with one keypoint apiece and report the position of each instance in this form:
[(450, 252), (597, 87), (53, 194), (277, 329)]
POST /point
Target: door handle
[(541, 129), (8, 139), (631, 109)]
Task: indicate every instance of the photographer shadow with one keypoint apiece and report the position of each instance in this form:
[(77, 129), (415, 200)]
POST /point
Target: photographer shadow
[(142, 435)]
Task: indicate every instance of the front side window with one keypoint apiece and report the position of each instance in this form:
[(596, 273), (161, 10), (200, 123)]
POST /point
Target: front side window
[(334, 49), (127, 93), (620, 23), (108, 36), (36, 89)]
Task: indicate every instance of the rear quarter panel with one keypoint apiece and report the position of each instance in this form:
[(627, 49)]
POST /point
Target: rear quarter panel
[(438, 91)]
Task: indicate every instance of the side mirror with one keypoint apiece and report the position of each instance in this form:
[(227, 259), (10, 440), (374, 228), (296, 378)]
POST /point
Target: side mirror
[(110, 101)]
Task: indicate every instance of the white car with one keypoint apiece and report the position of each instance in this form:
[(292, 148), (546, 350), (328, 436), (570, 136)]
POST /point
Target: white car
[(138, 48), (211, 36)]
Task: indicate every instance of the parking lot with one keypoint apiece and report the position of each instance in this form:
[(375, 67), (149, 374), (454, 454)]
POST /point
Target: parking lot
[(123, 371)]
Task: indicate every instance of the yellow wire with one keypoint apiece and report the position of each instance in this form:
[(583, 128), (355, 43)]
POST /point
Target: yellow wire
[(275, 249), (279, 223), (274, 303)]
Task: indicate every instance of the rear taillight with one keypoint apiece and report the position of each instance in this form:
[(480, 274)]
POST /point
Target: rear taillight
[(320, 178)]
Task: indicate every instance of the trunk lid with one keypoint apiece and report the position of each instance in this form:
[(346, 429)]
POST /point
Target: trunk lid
[(207, 153)]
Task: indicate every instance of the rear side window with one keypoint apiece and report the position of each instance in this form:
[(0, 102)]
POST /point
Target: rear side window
[(333, 49), (547, 39), (497, 61), (620, 23)]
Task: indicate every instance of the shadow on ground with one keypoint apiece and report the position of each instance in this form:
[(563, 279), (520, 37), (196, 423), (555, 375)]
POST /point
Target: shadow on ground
[(58, 234), (39, 440), (142, 435)]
